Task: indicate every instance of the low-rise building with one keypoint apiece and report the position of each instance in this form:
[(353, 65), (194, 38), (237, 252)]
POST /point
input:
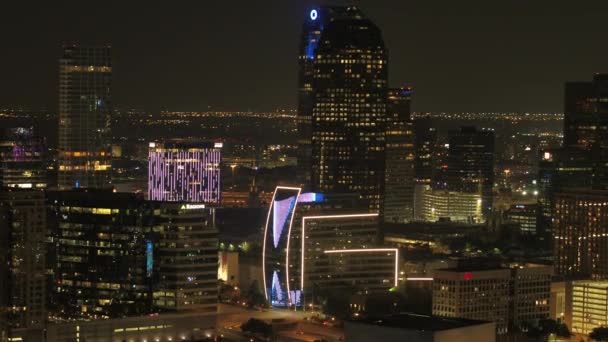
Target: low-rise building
[(509, 295), (419, 328)]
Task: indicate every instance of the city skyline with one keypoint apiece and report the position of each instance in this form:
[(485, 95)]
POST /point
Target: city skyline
[(474, 57)]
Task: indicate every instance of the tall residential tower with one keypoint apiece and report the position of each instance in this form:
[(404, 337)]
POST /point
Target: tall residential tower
[(85, 75)]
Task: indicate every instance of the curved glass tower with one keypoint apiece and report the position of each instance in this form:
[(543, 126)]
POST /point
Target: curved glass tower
[(349, 102), (275, 253)]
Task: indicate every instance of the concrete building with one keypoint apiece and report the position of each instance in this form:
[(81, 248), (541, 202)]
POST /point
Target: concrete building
[(509, 296), (525, 216), (419, 328)]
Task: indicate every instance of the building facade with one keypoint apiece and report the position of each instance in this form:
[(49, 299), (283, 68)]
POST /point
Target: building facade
[(348, 126), (455, 206), (85, 107), (580, 233), (182, 171), (509, 296), (471, 164), (587, 306), (22, 163), (585, 109), (525, 216), (23, 269), (116, 255), (400, 158)]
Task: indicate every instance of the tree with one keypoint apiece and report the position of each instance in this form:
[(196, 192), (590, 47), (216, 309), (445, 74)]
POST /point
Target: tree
[(253, 296), (599, 334), (257, 326)]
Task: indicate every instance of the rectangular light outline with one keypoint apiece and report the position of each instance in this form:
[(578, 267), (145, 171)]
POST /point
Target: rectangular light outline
[(364, 250), (317, 218)]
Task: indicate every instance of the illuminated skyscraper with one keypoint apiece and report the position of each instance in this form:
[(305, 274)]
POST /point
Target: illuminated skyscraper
[(349, 94), (22, 160), (85, 76), (184, 171), (316, 21), (399, 183), (471, 164)]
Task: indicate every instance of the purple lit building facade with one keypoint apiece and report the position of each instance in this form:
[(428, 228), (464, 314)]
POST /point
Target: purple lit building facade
[(183, 171)]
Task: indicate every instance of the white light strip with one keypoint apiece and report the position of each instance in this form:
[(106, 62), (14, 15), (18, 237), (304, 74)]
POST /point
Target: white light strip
[(419, 279), (304, 235), (293, 214), (264, 245), (364, 250)]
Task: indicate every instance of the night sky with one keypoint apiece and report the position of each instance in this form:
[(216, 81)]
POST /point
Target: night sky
[(491, 55)]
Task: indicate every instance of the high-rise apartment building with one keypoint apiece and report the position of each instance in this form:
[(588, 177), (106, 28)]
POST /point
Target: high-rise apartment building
[(184, 171), (400, 158), (22, 163), (510, 296), (580, 233), (349, 94), (23, 269), (85, 76), (471, 164)]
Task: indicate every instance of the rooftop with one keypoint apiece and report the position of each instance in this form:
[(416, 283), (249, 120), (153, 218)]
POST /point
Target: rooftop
[(421, 322)]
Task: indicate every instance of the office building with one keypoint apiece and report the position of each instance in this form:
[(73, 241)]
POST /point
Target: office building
[(425, 141), (399, 183), (98, 255), (525, 216), (348, 125), (335, 221), (338, 252), (115, 255), (85, 107), (419, 328), (184, 171), (585, 108), (587, 306), (22, 163), (364, 270), (434, 205), (186, 256), (471, 164), (509, 296), (23, 268), (580, 233)]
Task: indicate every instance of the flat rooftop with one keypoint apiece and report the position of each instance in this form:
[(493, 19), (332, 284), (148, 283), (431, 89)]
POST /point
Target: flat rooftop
[(421, 322)]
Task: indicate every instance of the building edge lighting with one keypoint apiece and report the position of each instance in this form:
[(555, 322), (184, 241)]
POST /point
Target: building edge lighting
[(304, 235), (364, 250), (266, 235), (293, 214)]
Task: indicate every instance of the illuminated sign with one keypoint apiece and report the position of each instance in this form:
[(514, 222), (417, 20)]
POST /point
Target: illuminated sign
[(193, 206), (468, 276), (149, 258), (314, 14), (218, 145)]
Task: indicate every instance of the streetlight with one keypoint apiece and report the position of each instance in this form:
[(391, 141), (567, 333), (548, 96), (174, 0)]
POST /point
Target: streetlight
[(232, 167)]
